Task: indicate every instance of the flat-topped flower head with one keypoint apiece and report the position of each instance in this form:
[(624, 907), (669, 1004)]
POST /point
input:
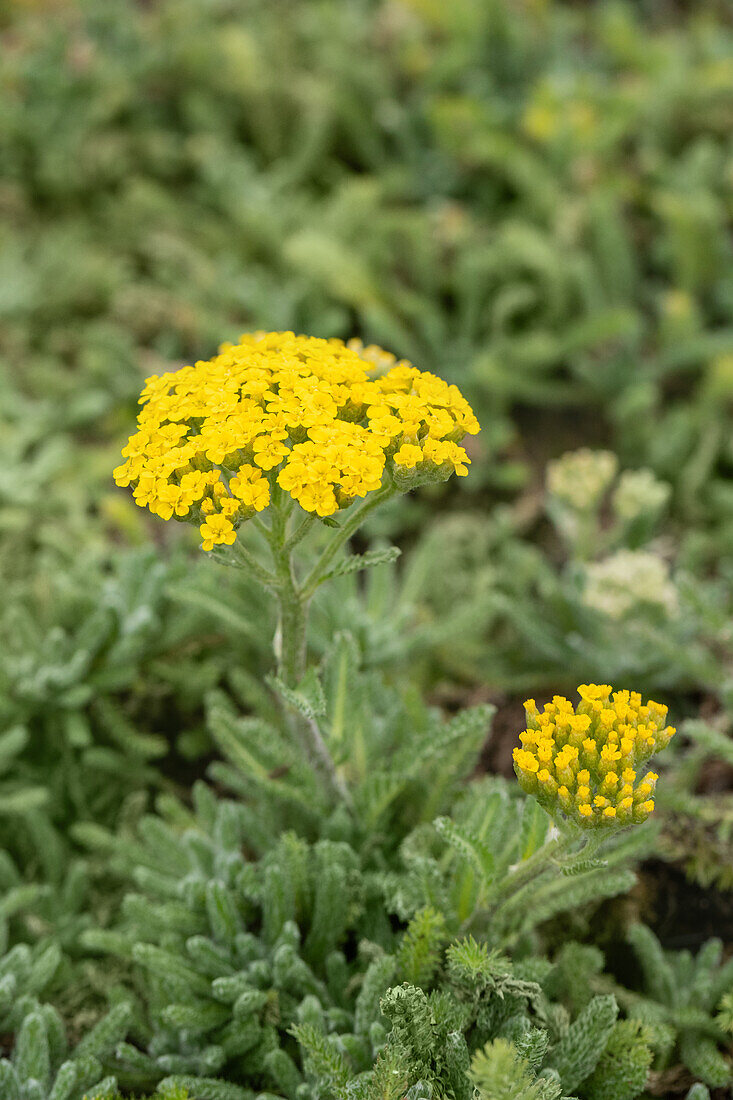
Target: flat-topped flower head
[(587, 761), (325, 421)]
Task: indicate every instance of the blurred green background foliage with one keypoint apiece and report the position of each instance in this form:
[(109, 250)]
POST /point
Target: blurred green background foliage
[(532, 198)]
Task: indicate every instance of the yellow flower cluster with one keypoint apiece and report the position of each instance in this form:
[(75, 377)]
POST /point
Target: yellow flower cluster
[(320, 418), (585, 761)]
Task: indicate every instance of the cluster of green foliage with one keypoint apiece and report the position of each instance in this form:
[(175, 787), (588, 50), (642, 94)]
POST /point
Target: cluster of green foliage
[(533, 200), (530, 197)]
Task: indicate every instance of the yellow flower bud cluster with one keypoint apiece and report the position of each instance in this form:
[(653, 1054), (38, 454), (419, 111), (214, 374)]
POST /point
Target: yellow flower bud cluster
[(321, 419), (586, 761)]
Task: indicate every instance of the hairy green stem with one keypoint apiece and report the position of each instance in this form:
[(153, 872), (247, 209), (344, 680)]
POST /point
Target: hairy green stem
[(293, 606), (323, 761), (515, 889), (300, 532), (249, 562), (530, 868), (292, 656)]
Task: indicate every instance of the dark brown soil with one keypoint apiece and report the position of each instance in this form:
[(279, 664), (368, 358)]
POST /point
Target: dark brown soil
[(683, 914)]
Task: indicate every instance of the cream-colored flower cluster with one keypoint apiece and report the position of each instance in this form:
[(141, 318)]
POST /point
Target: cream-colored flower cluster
[(629, 580), (585, 761), (320, 418), (639, 493), (580, 479)]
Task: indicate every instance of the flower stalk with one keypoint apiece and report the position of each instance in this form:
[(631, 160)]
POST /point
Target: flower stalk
[(292, 602), (281, 426), (291, 645), (517, 889)]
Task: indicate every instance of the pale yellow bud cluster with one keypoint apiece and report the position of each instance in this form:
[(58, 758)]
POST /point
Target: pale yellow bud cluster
[(580, 479), (586, 761), (627, 580), (322, 420), (639, 493)]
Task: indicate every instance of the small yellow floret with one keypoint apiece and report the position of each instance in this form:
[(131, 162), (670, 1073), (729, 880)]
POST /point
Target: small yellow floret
[(525, 760), (408, 455), (594, 691), (217, 530)]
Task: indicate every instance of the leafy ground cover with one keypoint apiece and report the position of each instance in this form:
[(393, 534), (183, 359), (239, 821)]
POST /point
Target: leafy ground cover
[(532, 200)]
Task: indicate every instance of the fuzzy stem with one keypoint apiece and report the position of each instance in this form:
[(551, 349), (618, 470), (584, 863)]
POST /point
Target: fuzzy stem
[(300, 532), (293, 606), (530, 869), (323, 761), (515, 887), (292, 658), (250, 563)]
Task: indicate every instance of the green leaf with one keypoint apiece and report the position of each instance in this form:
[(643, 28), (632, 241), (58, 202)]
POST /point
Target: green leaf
[(579, 1051), (25, 801), (470, 847), (105, 1035), (9, 1083), (31, 1055), (623, 1067), (356, 562), (498, 1072), (64, 1084), (205, 1088), (702, 1057), (307, 699), (535, 823), (419, 955)]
